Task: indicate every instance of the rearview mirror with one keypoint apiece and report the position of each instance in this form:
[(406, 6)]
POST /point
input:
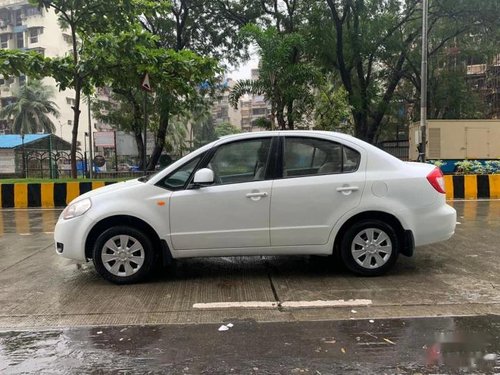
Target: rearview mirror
[(204, 176)]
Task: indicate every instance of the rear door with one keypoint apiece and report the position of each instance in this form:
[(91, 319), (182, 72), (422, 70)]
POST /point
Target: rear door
[(320, 181)]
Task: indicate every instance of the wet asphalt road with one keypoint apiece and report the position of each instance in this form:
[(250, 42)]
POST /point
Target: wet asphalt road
[(40, 291), (397, 346)]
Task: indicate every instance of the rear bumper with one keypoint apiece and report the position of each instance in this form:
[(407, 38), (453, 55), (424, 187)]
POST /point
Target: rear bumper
[(434, 225)]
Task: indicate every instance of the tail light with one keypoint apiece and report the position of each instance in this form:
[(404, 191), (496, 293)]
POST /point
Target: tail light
[(436, 179)]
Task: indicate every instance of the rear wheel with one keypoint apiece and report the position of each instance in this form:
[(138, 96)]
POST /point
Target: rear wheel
[(370, 247), (123, 255)]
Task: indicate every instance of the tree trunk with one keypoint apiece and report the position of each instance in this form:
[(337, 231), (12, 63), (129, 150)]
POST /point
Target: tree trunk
[(160, 139), (140, 147)]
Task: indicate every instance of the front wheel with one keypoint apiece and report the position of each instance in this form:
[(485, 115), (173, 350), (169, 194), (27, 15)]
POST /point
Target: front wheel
[(370, 247), (123, 255)]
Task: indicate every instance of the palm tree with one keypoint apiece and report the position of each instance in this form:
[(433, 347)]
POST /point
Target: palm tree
[(29, 113)]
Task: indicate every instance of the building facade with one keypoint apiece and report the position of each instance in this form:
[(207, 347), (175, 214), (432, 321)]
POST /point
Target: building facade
[(485, 80), (25, 27)]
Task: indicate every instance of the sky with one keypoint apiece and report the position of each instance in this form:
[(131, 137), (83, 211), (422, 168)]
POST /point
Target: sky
[(243, 71)]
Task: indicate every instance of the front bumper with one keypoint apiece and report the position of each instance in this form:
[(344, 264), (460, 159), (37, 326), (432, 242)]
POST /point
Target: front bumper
[(70, 236)]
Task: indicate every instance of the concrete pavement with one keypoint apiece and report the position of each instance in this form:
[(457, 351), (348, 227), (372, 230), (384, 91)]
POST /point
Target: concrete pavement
[(40, 289)]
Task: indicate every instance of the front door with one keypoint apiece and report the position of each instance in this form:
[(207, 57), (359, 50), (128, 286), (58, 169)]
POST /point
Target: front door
[(234, 211)]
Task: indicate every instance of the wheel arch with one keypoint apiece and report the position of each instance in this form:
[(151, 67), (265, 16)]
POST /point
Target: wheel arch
[(127, 220), (405, 236)]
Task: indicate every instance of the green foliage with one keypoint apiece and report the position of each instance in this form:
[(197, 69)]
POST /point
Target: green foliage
[(29, 113), (373, 47), (225, 128), (333, 111), (478, 167), (286, 77), (437, 163)]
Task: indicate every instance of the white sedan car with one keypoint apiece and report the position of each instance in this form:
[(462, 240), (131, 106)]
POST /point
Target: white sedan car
[(268, 193)]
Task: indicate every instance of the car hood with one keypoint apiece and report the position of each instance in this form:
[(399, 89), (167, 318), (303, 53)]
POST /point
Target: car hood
[(111, 188)]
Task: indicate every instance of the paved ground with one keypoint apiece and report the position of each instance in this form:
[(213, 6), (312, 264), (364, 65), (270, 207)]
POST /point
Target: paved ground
[(60, 317), (40, 289), (399, 346)]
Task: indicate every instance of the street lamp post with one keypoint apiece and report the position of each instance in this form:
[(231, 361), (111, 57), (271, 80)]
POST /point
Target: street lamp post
[(91, 156), (423, 84)]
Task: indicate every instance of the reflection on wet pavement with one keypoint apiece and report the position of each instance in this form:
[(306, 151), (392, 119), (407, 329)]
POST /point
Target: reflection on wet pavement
[(28, 221), (428, 345)]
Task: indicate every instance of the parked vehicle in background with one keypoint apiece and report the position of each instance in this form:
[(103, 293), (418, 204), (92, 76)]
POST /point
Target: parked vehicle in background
[(268, 193), (453, 141)]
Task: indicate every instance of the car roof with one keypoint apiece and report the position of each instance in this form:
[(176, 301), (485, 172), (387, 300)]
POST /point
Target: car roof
[(288, 133)]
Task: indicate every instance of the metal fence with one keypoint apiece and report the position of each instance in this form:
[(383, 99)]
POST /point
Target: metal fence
[(397, 148), (35, 163)]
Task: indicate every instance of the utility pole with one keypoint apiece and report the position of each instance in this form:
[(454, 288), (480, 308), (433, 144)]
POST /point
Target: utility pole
[(91, 156), (423, 83)]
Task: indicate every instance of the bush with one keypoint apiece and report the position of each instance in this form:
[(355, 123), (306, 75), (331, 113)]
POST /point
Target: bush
[(477, 167)]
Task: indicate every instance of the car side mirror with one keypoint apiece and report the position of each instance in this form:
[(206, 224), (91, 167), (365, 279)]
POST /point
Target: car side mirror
[(203, 177)]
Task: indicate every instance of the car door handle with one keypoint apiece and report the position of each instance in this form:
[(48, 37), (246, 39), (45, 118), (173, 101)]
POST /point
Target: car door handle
[(256, 195), (347, 188)]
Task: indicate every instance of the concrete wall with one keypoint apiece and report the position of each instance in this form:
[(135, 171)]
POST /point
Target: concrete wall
[(7, 161)]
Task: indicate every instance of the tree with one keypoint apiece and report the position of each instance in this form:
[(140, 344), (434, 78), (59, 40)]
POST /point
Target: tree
[(30, 112), (83, 19), (208, 28), (225, 128), (371, 44), (332, 110), (124, 110), (286, 78)]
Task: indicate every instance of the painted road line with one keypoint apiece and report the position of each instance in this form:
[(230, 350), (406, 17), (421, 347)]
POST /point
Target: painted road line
[(230, 305), (287, 304), (327, 303)]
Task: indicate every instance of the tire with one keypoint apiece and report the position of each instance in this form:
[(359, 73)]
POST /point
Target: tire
[(119, 266), (370, 259)]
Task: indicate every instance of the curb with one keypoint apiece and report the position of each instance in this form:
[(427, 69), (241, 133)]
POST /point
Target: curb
[(46, 194), (472, 186)]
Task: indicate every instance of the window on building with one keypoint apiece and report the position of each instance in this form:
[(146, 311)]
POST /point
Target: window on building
[(4, 41), (258, 111), (19, 17), (70, 101), (68, 38), (70, 122), (20, 40), (34, 33), (33, 11)]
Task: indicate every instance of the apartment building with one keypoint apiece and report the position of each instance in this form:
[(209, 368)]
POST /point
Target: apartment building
[(25, 27), (485, 80), (222, 111)]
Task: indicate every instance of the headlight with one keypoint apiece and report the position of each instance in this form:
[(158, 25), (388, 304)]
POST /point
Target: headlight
[(77, 209)]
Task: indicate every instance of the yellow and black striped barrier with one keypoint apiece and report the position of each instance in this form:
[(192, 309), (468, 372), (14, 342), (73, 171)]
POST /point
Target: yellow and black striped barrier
[(59, 194), (46, 194), (472, 186)]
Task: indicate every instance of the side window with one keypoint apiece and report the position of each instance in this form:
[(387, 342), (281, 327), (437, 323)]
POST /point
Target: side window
[(351, 160), (178, 178), (311, 156), (242, 161)]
